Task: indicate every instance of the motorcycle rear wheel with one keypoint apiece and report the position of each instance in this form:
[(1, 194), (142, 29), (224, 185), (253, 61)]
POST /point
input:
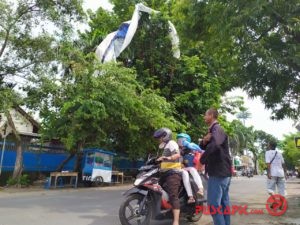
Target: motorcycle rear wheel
[(135, 217)]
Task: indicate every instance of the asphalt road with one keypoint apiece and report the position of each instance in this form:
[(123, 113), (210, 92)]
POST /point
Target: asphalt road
[(99, 206)]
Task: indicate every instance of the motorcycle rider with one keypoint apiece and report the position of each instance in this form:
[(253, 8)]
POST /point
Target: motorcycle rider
[(188, 150), (170, 168)]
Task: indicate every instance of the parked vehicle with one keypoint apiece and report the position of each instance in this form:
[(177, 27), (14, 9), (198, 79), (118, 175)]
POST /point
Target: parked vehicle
[(249, 172), (97, 166), (148, 200)]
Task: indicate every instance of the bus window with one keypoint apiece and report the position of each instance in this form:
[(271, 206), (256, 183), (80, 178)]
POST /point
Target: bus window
[(99, 159), (108, 161), (90, 158)]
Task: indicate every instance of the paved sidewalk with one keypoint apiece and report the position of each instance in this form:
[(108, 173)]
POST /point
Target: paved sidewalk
[(252, 192), (293, 197), (258, 201)]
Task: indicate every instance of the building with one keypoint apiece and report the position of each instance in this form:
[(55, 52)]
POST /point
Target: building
[(25, 125)]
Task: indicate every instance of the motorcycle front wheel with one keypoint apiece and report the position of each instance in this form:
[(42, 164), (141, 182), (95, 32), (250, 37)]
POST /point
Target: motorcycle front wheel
[(129, 213)]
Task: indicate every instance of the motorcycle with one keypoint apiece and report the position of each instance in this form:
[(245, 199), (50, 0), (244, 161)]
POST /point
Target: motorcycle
[(148, 200), (249, 174)]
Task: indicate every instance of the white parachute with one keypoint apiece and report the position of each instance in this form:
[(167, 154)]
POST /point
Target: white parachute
[(115, 43)]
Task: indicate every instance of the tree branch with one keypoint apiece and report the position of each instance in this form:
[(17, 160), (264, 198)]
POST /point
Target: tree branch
[(29, 9), (5, 42), (12, 125), (265, 32), (14, 70)]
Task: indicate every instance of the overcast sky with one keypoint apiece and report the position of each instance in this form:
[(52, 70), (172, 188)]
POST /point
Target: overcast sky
[(95, 4), (260, 117)]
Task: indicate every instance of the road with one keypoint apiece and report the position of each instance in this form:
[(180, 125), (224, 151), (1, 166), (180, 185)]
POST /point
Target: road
[(99, 206)]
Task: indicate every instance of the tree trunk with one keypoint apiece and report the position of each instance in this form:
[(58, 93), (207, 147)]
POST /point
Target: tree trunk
[(61, 166), (255, 164), (19, 162), (19, 157), (77, 165)]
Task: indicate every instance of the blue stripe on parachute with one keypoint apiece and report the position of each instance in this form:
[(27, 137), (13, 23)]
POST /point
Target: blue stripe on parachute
[(121, 34), (122, 31)]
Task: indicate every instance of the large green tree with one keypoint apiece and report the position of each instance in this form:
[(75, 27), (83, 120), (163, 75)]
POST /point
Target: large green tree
[(28, 30), (249, 44), (261, 40), (184, 82), (100, 105), (28, 47)]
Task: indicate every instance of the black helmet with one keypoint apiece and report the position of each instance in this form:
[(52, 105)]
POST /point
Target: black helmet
[(164, 132)]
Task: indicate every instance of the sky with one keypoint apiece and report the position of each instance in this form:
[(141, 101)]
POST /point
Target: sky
[(260, 117), (95, 4)]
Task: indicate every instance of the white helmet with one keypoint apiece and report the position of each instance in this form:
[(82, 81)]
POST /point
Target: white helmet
[(165, 133)]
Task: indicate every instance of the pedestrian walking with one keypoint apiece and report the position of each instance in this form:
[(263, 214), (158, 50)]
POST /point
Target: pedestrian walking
[(276, 170)]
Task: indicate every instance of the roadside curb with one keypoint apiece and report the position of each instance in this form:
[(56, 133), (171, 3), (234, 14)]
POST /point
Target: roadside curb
[(4, 191)]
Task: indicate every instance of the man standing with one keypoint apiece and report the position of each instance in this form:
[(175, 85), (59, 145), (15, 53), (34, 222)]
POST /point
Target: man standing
[(276, 170), (218, 166)]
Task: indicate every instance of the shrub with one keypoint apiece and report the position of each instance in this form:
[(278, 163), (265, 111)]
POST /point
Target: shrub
[(11, 181), (23, 181)]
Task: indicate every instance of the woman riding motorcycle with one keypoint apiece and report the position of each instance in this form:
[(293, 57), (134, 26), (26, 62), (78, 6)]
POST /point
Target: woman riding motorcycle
[(171, 169)]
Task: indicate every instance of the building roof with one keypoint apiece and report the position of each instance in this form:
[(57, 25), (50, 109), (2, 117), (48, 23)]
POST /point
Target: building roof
[(27, 116), (35, 125)]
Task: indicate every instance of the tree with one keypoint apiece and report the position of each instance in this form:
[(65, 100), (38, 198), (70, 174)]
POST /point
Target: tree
[(232, 105), (25, 50), (244, 115), (25, 42), (264, 35), (253, 45), (237, 139), (197, 28), (9, 99), (107, 108), (247, 138), (185, 83), (290, 152), (258, 144), (263, 139)]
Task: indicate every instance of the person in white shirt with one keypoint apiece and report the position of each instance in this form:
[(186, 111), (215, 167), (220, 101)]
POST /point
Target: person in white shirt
[(276, 170)]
